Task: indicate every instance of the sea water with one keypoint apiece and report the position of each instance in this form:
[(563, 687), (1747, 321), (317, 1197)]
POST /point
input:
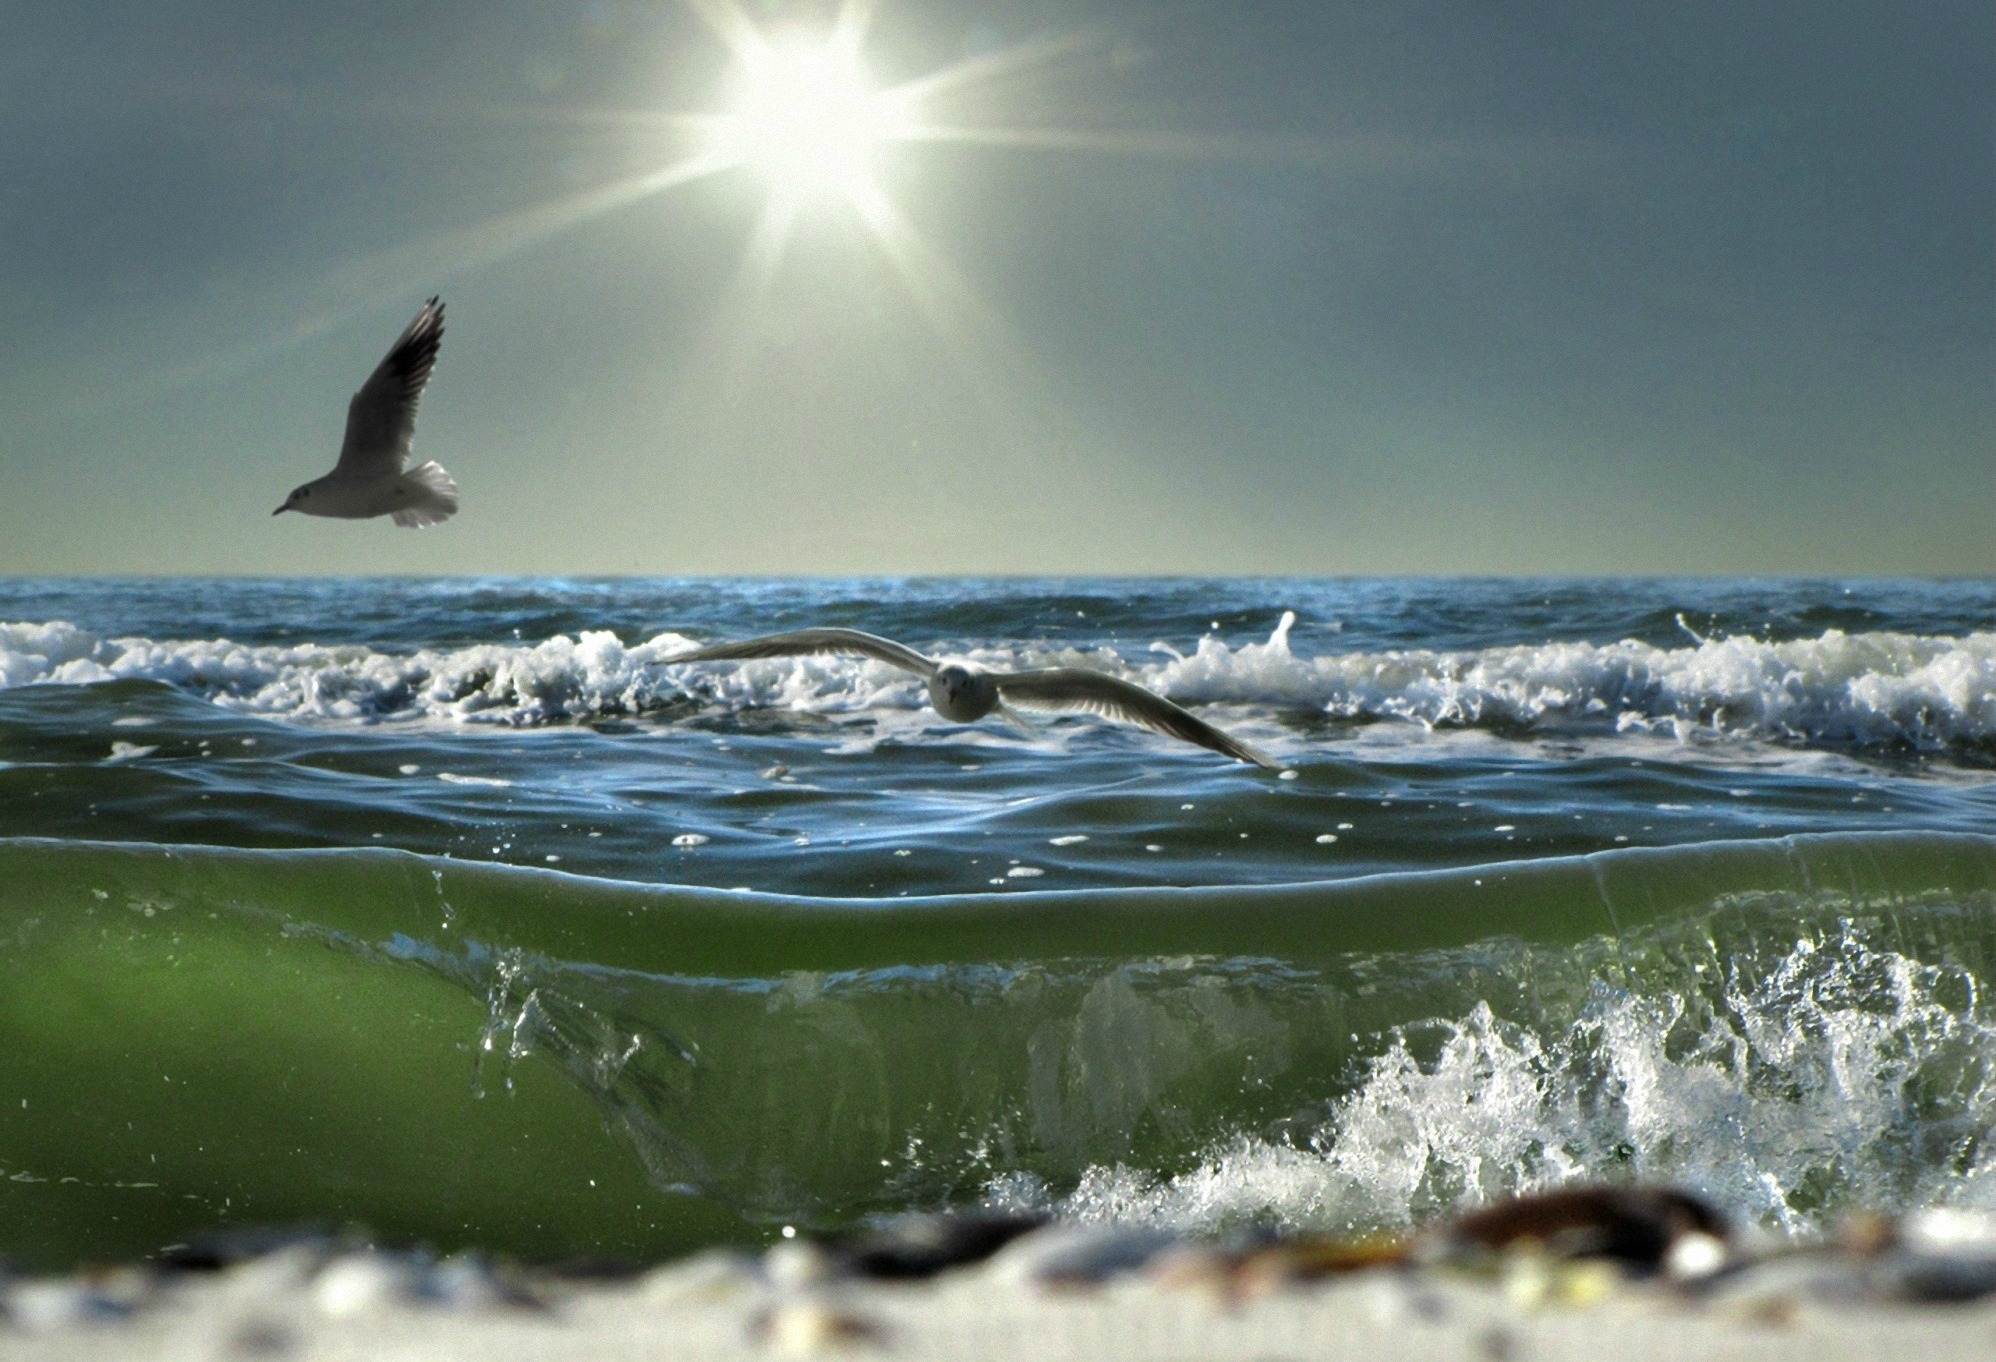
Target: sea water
[(453, 909)]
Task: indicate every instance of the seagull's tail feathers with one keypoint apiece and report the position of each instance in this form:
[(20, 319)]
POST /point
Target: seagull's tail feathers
[(432, 497)]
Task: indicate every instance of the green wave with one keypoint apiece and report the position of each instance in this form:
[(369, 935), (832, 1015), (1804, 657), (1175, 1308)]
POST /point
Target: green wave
[(548, 1065)]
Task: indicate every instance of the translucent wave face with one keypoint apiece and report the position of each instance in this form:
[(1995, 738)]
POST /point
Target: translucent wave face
[(1864, 690), (1780, 1053)]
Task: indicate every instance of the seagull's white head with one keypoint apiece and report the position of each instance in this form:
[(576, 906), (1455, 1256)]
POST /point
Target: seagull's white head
[(296, 501), (962, 695)]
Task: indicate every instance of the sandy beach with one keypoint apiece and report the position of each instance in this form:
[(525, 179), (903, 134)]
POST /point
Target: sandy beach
[(1176, 1300), (971, 1320)]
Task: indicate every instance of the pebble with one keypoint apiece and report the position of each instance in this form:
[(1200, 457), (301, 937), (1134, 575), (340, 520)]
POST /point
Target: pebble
[(715, 1275), (917, 1246), (228, 1247), (1694, 1256), (1536, 1280), (1310, 1257), (470, 1282), (1397, 1298), (1912, 1274), (1944, 1254), (1078, 1255), (1568, 1249), (1776, 1289), (807, 1328), (280, 1271), (801, 1264), (364, 1283), (1948, 1229), (1637, 1226), (47, 1305)]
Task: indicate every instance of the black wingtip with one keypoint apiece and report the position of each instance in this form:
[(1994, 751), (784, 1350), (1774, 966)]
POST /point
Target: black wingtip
[(428, 321)]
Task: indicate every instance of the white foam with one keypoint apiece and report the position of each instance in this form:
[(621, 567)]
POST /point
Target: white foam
[(561, 677), (1863, 689), (1846, 1076)]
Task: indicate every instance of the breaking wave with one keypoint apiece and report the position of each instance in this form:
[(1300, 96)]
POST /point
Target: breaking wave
[(1798, 1027), (1873, 689), (1843, 1073)]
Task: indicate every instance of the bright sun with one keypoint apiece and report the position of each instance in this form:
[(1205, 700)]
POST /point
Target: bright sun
[(803, 115), (807, 119)]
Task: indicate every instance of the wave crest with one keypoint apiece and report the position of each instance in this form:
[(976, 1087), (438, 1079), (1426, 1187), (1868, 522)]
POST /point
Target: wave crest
[(560, 677), (1877, 689), (1868, 689)]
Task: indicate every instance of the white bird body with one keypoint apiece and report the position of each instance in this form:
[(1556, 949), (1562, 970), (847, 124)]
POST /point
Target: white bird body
[(965, 694), (370, 478)]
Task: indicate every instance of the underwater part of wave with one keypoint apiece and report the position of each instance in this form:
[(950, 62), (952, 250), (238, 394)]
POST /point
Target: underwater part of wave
[(1869, 689), (1798, 1027)]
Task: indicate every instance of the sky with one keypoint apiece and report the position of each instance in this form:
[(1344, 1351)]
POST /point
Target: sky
[(1065, 286)]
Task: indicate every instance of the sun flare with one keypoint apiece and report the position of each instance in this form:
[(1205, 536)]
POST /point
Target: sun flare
[(801, 113), (806, 118)]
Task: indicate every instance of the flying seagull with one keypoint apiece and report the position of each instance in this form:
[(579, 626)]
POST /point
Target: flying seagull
[(965, 695), (381, 424)]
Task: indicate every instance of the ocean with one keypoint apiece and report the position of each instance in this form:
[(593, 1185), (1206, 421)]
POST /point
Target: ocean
[(449, 909)]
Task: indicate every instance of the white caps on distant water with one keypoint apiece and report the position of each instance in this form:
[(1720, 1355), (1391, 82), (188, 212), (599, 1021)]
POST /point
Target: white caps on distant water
[(965, 695), (369, 479)]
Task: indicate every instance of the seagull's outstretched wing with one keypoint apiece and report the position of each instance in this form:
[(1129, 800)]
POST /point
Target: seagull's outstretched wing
[(381, 419), (1074, 688), (807, 641)]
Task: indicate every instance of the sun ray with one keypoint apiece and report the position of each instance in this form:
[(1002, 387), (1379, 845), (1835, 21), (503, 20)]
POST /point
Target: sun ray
[(740, 318), (731, 25), (376, 280), (995, 66), (809, 121), (1350, 152), (1113, 140), (485, 243), (947, 301), (850, 25)]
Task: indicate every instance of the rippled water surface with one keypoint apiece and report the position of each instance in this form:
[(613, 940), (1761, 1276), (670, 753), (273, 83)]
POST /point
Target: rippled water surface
[(1688, 878)]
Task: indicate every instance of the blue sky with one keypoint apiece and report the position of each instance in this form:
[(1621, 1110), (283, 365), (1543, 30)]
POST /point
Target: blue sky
[(1161, 287)]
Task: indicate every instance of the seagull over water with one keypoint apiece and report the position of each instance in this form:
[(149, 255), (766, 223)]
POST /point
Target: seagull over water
[(964, 694), (381, 425)]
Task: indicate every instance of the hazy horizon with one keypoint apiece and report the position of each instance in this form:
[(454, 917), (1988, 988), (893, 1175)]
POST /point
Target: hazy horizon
[(1140, 289)]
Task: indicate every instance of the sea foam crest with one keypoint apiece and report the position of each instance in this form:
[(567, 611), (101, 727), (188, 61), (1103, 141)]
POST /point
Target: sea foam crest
[(525, 683), (1862, 689), (1871, 688), (1845, 1076)]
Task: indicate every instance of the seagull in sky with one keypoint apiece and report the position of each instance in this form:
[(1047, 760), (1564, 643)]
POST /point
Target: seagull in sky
[(965, 695), (381, 424)]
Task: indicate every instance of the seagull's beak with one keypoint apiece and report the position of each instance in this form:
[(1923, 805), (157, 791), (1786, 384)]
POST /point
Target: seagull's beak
[(282, 509)]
